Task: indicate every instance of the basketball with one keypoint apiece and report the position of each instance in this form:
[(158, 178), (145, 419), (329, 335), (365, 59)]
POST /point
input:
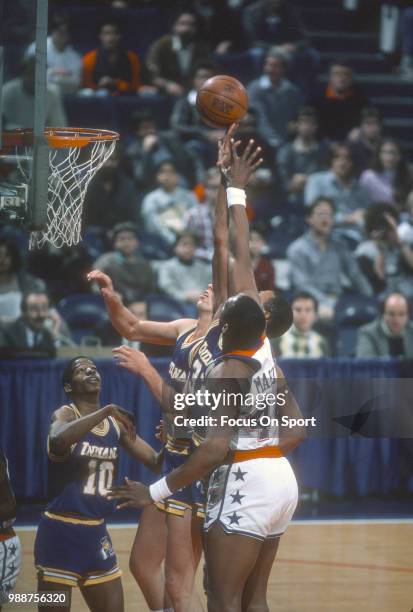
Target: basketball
[(222, 100)]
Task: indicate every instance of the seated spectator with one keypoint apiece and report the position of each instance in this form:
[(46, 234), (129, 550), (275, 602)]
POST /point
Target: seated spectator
[(339, 107), (388, 179), (263, 269), (220, 25), (132, 276), (385, 260), (64, 64), (389, 336), (111, 196), (164, 208), (301, 341), (184, 276), (321, 265), (200, 218), (275, 99), (149, 147), (200, 139), (111, 69), (365, 140), (18, 101), (14, 281), (340, 185), (30, 333), (172, 58), (247, 130), (303, 156)]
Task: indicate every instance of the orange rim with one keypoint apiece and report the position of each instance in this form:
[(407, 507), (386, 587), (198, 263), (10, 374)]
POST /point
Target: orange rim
[(58, 138)]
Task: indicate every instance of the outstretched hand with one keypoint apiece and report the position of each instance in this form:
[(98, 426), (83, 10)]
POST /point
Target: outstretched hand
[(243, 166), (224, 149), (131, 359), (125, 420), (104, 282), (135, 494)]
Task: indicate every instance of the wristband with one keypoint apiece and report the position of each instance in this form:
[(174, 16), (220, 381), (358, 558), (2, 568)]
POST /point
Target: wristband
[(236, 197), (159, 490)]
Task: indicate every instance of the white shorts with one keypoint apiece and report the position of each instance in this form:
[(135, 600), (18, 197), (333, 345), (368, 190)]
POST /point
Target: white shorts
[(10, 562), (255, 498)]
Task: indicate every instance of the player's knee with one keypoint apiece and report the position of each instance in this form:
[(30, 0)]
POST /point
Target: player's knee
[(223, 601), (138, 568)]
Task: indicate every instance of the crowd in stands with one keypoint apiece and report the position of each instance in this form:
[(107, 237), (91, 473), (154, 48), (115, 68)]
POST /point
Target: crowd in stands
[(331, 209)]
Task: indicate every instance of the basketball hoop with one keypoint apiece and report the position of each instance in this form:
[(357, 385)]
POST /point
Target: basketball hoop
[(75, 155)]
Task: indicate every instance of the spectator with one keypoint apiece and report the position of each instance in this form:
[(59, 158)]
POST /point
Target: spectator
[(275, 99), (389, 336), (29, 333), (385, 260), (263, 269), (303, 156), (365, 140), (199, 219), (186, 121), (321, 265), (18, 101), (184, 276), (389, 178), (339, 108), (111, 69), (64, 64), (172, 58), (164, 208), (340, 185), (301, 341), (220, 25), (149, 147), (111, 197), (14, 280), (405, 229), (132, 276), (248, 129), (272, 22), (406, 65)]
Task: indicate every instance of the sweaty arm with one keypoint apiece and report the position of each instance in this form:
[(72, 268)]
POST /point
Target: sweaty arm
[(66, 429), (128, 325), (143, 452), (242, 273)]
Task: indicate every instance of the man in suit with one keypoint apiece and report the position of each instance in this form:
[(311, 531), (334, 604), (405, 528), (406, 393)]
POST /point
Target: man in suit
[(29, 333), (389, 336)]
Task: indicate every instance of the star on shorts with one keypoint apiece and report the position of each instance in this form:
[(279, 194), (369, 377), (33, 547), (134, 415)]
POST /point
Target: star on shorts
[(236, 497), (234, 518), (12, 549), (239, 475)]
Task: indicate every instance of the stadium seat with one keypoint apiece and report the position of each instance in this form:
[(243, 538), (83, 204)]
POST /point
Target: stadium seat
[(352, 311), (94, 242), (164, 308), (82, 312)]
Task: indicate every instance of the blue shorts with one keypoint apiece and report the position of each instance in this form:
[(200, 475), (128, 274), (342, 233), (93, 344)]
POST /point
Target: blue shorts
[(74, 552), (188, 498)]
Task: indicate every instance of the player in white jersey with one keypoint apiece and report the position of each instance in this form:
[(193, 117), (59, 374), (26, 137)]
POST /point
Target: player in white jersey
[(249, 470), (10, 551)]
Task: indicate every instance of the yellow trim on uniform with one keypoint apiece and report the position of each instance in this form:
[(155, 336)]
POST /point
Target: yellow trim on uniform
[(173, 506), (115, 425), (59, 581), (58, 571), (73, 520), (108, 578)]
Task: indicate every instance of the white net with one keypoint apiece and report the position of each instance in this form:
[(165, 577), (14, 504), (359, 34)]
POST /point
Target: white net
[(71, 169)]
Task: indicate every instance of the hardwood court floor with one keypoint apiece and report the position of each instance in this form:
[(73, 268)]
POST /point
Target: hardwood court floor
[(321, 567)]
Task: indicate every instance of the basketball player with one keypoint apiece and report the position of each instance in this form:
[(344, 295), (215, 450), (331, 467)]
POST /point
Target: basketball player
[(73, 547), (10, 552), (253, 493)]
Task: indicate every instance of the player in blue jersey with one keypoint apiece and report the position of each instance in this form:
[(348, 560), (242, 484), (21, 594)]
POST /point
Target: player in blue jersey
[(10, 551), (73, 547)]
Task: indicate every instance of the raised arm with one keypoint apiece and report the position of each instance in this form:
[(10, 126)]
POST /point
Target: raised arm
[(128, 325), (238, 175)]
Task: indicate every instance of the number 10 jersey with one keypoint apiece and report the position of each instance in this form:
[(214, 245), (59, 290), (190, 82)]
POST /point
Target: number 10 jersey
[(79, 481)]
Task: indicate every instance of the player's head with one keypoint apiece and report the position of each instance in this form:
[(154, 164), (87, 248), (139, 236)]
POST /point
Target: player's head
[(205, 304), (304, 307), (277, 312), (125, 238), (242, 322), (110, 35), (81, 377), (35, 307)]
